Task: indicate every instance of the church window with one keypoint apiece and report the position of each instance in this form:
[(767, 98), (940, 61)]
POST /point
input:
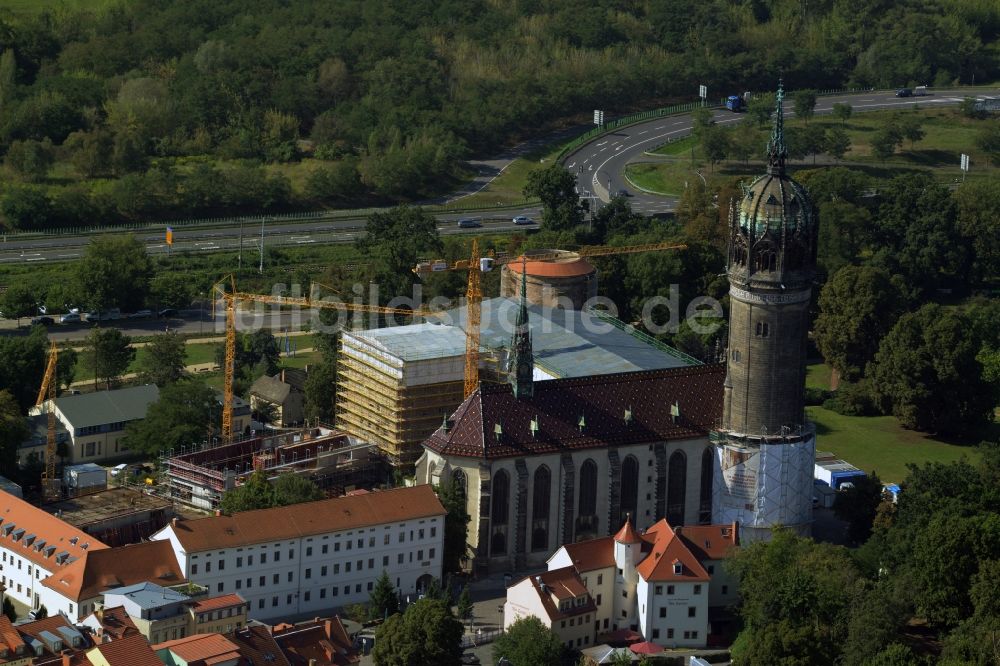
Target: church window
[(586, 519), (736, 355), (767, 260), (629, 488), (499, 512), (676, 487), (762, 329), (540, 509), (459, 478), (705, 503)]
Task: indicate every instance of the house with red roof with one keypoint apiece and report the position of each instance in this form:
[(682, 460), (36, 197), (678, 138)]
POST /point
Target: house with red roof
[(661, 583)]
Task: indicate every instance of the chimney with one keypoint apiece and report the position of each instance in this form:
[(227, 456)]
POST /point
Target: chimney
[(173, 521), (218, 512), (677, 529), (66, 659), (313, 662)]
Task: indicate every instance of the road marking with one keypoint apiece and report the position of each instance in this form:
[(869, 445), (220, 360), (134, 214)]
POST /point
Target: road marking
[(867, 100), (36, 259), (571, 165), (660, 127), (601, 143), (586, 160), (67, 256), (153, 247), (305, 241), (643, 132)]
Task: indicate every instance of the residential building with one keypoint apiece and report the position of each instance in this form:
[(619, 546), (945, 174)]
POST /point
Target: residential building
[(109, 624), (663, 583), (220, 614), (49, 640), (319, 642), (284, 393), (311, 557), (159, 613), (199, 650), (34, 545), (258, 647), (128, 651), (78, 588)]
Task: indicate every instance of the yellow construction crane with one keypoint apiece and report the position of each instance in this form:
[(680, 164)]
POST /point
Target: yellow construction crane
[(478, 264), (50, 484), (232, 296)]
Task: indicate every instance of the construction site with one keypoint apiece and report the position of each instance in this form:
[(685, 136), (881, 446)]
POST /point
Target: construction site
[(116, 516), (333, 460)]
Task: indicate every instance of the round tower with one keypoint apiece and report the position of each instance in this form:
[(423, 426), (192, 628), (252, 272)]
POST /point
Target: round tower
[(766, 447), (567, 280), (628, 553)]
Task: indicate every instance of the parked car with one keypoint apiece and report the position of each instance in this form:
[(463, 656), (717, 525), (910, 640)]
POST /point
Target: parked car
[(70, 318), (904, 92), (622, 193), (118, 469), (166, 312), (523, 219), (104, 315), (141, 314), (43, 321)]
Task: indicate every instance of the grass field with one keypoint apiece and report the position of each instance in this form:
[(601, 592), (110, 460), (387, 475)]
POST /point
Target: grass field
[(877, 443)]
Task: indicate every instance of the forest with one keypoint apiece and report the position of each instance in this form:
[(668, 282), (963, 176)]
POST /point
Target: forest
[(188, 108)]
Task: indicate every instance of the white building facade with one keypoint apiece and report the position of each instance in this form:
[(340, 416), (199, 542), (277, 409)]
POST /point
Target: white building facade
[(312, 557)]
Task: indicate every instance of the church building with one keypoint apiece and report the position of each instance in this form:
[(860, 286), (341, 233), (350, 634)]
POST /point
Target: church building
[(547, 463)]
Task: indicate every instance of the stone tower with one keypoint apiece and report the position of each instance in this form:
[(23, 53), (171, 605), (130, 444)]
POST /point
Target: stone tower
[(765, 446)]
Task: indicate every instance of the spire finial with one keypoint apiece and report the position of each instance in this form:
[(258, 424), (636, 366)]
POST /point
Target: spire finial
[(776, 151)]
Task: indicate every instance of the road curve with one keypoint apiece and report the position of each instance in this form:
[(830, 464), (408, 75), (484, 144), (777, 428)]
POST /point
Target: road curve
[(602, 161)]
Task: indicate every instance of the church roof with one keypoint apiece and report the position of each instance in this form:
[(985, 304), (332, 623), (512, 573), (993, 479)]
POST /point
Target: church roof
[(585, 412)]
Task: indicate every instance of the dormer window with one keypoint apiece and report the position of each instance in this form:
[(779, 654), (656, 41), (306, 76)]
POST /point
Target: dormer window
[(678, 568)]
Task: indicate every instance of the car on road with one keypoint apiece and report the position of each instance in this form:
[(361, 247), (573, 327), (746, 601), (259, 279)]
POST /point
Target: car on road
[(140, 314), (622, 193), (43, 321), (523, 219), (118, 469), (166, 313), (470, 223), (70, 318), (904, 92)]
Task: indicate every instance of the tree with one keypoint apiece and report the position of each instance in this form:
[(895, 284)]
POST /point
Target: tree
[(426, 633), (885, 141), (988, 141), (171, 290), (814, 140), (256, 354), (857, 505), (294, 489), (9, 610), (90, 152), (556, 187), (715, 144), (112, 353), (41, 612), (320, 392), (759, 110), (19, 301), (281, 132), (528, 641), (22, 365), (255, 493), (837, 142), (27, 207), (456, 524), (911, 127), (842, 111), (464, 606), (163, 360), (745, 142), (383, 600), (13, 432), (395, 240), (858, 307), (114, 271), (30, 159), (969, 108), (896, 654), (805, 104), (8, 83), (979, 220), (183, 415), (929, 386)]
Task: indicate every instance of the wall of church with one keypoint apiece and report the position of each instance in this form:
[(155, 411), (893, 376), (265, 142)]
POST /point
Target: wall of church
[(523, 538)]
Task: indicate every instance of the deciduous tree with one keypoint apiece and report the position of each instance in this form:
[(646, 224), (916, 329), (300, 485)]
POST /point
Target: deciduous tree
[(19, 301), (556, 187), (804, 102), (427, 633), (857, 505), (114, 271), (295, 489), (255, 493), (528, 641), (456, 525), (842, 111), (163, 360), (111, 354), (396, 240), (13, 432), (184, 414), (383, 600)]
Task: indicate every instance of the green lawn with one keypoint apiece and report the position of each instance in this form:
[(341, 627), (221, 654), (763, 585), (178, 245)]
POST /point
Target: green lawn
[(818, 376), (879, 443), (670, 178)]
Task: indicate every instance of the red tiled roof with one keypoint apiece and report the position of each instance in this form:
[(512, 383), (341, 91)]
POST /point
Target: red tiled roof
[(58, 536), (564, 584), (600, 401), (258, 647), (323, 640), (669, 549), (201, 648), (215, 603), (592, 554), (100, 570), (709, 542), (627, 533), (308, 518), (9, 635), (115, 622), (128, 651)]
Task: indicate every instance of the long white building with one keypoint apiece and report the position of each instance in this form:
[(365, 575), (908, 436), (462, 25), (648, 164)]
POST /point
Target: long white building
[(315, 556)]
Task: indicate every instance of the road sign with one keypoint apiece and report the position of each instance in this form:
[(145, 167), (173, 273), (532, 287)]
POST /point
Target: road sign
[(170, 233), (598, 117), (703, 92), (965, 162)]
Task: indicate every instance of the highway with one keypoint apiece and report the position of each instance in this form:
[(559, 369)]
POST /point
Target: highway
[(600, 164)]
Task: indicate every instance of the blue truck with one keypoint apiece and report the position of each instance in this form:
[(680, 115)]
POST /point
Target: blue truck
[(735, 104)]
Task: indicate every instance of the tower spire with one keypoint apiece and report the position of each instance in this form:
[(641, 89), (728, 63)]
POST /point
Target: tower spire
[(776, 151), (521, 363)]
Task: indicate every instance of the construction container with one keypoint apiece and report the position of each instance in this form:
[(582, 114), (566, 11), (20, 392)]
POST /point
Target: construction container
[(85, 478)]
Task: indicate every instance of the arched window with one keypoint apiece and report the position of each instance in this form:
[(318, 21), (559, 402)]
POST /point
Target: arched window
[(540, 509), (705, 503), (676, 487), (586, 516), (459, 479), (499, 512), (767, 260), (629, 488)]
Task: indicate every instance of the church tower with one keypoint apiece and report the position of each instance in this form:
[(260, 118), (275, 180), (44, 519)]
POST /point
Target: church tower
[(765, 445), (521, 361)]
